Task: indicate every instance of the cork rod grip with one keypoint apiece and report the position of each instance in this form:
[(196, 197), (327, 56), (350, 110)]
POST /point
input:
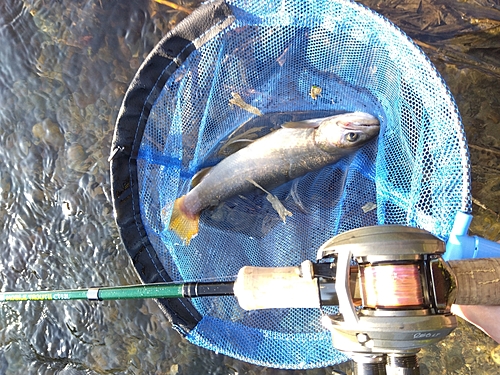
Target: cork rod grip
[(478, 281)]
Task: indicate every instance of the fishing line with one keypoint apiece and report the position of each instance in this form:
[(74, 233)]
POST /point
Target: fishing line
[(391, 286)]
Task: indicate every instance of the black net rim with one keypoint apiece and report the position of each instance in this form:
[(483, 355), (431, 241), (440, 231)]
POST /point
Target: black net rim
[(142, 93)]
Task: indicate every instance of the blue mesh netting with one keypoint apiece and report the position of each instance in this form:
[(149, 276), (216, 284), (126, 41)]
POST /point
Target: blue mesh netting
[(272, 53)]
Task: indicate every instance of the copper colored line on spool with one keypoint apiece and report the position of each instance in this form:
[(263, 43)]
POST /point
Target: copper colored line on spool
[(391, 286)]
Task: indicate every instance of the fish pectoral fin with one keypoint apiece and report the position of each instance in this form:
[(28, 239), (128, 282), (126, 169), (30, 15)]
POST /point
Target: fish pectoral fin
[(199, 176), (278, 207), (304, 124), (183, 224), (294, 193), (274, 200)]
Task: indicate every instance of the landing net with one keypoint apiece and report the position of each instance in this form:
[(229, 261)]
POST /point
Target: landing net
[(290, 60)]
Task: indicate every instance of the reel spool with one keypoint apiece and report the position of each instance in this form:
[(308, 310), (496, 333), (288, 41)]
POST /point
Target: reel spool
[(406, 291)]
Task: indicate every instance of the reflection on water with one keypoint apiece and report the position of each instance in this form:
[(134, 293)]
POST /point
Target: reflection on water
[(64, 67)]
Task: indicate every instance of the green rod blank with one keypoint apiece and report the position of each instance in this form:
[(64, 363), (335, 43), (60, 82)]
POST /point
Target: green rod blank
[(137, 291), (124, 292), (44, 295), (107, 293)]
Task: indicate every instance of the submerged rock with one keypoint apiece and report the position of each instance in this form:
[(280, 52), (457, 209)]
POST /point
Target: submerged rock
[(49, 133)]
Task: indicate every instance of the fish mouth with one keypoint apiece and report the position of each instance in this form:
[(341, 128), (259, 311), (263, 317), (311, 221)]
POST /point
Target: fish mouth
[(359, 121), (361, 126), (357, 125)]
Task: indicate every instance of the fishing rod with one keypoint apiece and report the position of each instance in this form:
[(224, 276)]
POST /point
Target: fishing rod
[(392, 286), (160, 290)]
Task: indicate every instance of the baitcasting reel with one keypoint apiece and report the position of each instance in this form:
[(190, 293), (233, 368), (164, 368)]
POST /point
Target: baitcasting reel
[(393, 289), (396, 299)]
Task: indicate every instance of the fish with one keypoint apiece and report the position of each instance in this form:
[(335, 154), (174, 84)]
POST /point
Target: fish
[(292, 151)]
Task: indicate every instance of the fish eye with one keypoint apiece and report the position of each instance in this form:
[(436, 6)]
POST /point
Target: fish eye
[(352, 137)]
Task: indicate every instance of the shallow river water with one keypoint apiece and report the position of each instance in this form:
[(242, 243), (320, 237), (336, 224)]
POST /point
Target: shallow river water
[(64, 68)]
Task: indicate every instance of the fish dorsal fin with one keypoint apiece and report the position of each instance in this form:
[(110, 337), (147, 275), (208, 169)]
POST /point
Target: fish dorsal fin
[(304, 124), (234, 146), (199, 176), (239, 141)]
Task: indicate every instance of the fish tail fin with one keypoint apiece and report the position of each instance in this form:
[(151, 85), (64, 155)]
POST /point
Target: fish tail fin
[(182, 223)]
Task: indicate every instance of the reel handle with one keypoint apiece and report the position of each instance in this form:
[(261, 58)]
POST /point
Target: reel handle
[(478, 281)]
